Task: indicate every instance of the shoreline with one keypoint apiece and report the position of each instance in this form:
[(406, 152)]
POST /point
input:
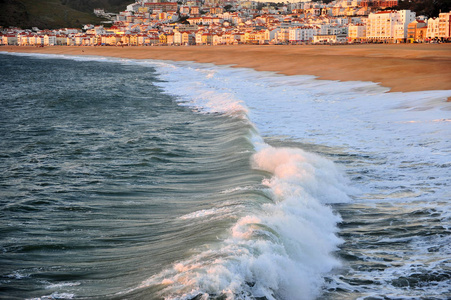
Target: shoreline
[(400, 67)]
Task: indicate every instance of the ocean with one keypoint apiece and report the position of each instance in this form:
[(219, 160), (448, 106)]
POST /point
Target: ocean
[(144, 179)]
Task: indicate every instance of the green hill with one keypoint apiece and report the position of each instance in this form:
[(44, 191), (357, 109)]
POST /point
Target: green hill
[(50, 14)]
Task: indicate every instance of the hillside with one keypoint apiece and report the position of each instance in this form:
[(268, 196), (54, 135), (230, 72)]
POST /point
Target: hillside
[(89, 5), (55, 13), (429, 8)]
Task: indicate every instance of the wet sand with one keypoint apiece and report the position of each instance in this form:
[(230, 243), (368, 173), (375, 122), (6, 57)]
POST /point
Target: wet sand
[(400, 67)]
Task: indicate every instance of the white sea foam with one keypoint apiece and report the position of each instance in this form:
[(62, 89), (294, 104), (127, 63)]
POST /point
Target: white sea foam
[(239, 188), (299, 173), (55, 295), (284, 249), (384, 132), (17, 275), (397, 148), (61, 285), (281, 249), (221, 212)]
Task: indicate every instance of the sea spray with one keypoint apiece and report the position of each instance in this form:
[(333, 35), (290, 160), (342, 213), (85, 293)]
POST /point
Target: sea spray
[(282, 250), (306, 228), (281, 247), (391, 146), (297, 173)]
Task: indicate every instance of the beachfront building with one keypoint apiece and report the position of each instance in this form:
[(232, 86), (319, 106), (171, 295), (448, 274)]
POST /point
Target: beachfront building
[(203, 38), (444, 26), (254, 37), (25, 39), (49, 40), (61, 39), (432, 29), (184, 38), (356, 33), (84, 40), (389, 26), (10, 39), (416, 32), (282, 36)]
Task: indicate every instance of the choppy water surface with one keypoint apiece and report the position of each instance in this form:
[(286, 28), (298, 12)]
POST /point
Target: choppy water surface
[(145, 179)]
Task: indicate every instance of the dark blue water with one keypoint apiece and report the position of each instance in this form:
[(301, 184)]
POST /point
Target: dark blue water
[(96, 165)]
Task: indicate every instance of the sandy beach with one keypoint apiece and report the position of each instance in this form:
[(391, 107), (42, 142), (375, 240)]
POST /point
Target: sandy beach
[(400, 67)]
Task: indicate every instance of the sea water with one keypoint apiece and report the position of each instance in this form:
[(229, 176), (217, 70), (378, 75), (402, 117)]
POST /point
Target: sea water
[(134, 179)]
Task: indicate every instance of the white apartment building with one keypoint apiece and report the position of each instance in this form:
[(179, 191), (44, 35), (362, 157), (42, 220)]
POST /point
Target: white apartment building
[(50, 40), (432, 31), (389, 26), (178, 39), (301, 34)]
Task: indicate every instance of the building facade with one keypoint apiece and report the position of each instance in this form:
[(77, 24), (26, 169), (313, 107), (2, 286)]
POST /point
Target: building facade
[(389, 26), (444, 26)]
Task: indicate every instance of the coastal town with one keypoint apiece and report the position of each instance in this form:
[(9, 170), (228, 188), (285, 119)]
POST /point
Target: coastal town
[(233, 22)]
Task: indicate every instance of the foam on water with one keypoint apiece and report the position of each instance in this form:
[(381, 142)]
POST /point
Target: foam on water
[(385, 131), (280, 249), (221, 212), (392, 146), (61, 285), (55, 295)]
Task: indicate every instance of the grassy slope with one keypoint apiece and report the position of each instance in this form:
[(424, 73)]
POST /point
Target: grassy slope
[(46, 14)]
